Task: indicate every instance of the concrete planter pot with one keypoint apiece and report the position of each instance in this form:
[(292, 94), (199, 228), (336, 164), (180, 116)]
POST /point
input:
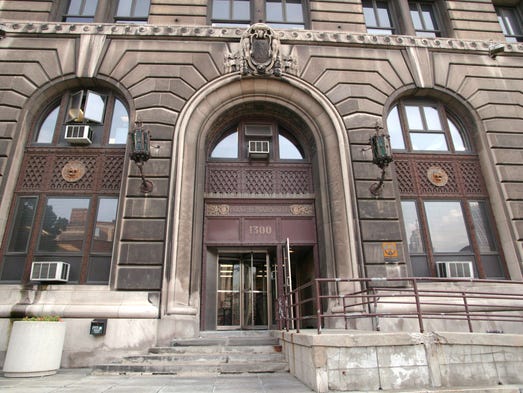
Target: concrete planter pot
[(35, 349)]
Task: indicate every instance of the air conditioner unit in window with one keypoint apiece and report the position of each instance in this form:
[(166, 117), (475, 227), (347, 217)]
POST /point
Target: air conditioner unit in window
[(455, 269), (258, 149), (79, 134), (50, 271)]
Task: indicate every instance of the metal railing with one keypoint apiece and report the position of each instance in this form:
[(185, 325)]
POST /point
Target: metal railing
[(316, 302)]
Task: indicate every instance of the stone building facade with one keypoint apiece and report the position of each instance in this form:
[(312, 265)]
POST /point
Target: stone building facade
[(260, 115)]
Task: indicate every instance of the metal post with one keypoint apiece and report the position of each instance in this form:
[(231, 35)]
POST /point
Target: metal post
[(418, 306)]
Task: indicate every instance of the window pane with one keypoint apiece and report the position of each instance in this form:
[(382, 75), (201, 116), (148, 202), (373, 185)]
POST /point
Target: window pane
[(394, 128), (274, 11), (142, 8), (46, 132), (412, 228), (294, 11), (383, 14), (368, 12), (75, 112), (457, 140), (105, 225), (227, 147), (74, 7), (428, 17), (416, 19), (23, 222), (288, 150), (432, 118), (241, 10), (414, 117), (63, 228), (119, 124), (124, 8), (94, 107), (446, 225), (90, 7), (220, 9), (478, 211), (428, 141)]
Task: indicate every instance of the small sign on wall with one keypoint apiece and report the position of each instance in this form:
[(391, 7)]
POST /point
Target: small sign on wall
[(390, 251)]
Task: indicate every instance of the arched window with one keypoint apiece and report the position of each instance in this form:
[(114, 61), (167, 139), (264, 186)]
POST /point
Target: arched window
[(257, 140), (66, 200), (447, 218)]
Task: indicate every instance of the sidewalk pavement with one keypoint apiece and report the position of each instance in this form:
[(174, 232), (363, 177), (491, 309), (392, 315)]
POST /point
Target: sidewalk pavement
[(80, 381)]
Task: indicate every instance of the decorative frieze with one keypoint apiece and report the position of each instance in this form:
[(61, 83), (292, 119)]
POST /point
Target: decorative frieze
[(234, 34), (259, 210)]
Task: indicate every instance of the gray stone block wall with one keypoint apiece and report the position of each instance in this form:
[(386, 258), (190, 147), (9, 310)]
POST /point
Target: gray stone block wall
[(360, 75)]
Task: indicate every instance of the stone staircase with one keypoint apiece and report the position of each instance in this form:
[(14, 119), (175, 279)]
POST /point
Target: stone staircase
[(213, 353)]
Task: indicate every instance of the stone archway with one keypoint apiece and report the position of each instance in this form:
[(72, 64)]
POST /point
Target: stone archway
[(335, 195)]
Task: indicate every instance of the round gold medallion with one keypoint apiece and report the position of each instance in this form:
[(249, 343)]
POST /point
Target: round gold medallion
[(73, 171), (437, 176)]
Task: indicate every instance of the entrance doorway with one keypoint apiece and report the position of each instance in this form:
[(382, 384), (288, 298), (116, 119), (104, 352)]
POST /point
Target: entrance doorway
[(244, 291)]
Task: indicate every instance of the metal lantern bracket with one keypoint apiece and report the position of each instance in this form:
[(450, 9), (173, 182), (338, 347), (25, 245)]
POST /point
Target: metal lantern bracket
[(141, 152), (381, 156)]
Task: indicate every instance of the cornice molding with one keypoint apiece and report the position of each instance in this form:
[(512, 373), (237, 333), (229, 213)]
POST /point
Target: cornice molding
[(303, 37)]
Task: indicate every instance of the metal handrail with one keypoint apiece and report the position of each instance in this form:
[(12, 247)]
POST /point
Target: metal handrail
[(421, 298)]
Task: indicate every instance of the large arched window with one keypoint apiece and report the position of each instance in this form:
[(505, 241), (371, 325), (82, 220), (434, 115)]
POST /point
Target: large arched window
[(446, 213), (66, 199)]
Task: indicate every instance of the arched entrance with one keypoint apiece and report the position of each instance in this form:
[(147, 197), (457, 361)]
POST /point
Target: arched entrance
[(259, 192), (210, 111)]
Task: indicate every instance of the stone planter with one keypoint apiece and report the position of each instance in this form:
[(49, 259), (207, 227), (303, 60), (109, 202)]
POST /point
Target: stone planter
[(35, 349)]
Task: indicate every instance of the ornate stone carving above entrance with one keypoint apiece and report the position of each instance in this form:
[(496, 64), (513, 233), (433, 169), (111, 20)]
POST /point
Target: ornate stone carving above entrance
[(259, 54)]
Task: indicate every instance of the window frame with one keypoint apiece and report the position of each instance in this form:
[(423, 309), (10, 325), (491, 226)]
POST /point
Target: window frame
[(444, 117), (81, 261), (258, 14), (102, 131), (516, 12), (132, 18), (393, 24), (475, 255), (277, 130), (434, 12)]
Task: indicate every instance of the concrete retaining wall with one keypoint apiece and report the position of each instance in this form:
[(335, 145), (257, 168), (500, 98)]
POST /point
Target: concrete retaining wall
[(349, 360)]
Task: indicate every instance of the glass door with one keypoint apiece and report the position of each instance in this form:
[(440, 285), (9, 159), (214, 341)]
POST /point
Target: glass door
[(244, 289)]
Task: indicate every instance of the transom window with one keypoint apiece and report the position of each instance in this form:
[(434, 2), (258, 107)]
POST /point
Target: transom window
[(254, 141), (510, 21), (285, 14), (423, 15), (424, 126), (104, 115), (377, 17)]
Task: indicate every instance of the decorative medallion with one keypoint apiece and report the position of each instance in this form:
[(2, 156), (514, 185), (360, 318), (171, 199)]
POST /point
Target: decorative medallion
[(73, 171), (302, 210), (437, 176), (217, 210)]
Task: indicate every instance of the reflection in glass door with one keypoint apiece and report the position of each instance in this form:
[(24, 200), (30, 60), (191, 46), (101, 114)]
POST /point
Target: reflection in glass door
[(243, 291)]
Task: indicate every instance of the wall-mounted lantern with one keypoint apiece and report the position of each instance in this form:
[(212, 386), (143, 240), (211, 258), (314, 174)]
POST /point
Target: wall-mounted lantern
[(381, 156), (141, 152)]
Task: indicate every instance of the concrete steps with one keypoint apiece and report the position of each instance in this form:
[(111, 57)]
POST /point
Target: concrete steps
[(209, 355)]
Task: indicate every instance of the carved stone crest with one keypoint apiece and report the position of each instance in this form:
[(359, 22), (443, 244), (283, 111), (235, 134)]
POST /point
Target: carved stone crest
[(260, 49), (437, 176)]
